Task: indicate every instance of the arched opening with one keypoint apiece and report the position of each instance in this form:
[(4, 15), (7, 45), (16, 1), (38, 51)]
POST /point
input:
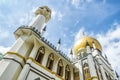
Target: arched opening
[(86, 71), (40, 54), (60, 68), (50, 61), (67, 73)]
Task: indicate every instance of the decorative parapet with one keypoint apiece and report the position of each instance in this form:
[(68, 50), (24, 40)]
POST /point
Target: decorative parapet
[(46, 41)]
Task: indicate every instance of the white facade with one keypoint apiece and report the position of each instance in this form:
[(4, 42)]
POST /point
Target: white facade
[(32, 57)]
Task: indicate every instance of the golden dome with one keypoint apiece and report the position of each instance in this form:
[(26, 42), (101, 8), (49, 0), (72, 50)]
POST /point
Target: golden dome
[(81, 44)]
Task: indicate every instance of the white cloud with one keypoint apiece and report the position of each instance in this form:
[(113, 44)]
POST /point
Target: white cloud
[(81, 33), (57, 15), (89, 1), (4, 49), (94, 10), (110, 42), (75, 3), (53, 13), (60, 16), (3, 34), (80, 3), (76, 22)]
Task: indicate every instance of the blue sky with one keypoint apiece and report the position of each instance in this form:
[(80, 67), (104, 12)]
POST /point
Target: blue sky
[(97, 18)]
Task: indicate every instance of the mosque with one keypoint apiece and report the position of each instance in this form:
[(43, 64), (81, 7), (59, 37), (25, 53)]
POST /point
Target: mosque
[(33, 57)]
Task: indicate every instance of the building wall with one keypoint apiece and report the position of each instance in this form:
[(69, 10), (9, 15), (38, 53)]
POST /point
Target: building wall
[(40, 70), (28, 45)]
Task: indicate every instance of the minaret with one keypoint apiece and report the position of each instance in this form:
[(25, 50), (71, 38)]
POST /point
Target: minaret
[(117, 76), (14, 61), (42, 16)]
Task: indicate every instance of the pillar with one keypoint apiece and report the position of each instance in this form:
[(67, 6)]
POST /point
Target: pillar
[(26, 68), (91, 63), (101, 68)]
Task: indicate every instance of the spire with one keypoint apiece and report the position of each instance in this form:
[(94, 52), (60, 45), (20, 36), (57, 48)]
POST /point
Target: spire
[(58, 45), (116, 74), (71, 53), (83, 34), (59, 41), (106, 56), (43, 31)]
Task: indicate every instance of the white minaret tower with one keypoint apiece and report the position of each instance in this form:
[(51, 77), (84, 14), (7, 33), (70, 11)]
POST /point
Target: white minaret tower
[(42, 16), (25, 45)]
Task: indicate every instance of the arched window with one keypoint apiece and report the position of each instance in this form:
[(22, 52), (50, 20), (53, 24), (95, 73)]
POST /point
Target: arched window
[(67, 73), (60, 68), (50, 61), (85, 65), (40, 54), (86, 71)]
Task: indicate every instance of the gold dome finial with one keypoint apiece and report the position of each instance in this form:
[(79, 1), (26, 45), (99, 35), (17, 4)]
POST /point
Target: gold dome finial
[(45, 11), (83, 33)]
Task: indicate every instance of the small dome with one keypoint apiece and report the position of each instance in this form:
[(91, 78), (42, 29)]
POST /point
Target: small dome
[(81, 44)]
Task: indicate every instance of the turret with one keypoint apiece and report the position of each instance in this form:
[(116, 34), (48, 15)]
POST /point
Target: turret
[(71, 55), (58, 45), (43, 31)]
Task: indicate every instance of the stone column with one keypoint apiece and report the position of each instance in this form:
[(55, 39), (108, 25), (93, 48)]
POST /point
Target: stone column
[(21, 46), (80, 70), (26, 68), (92, 67), (101, 68), (91, 63)]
